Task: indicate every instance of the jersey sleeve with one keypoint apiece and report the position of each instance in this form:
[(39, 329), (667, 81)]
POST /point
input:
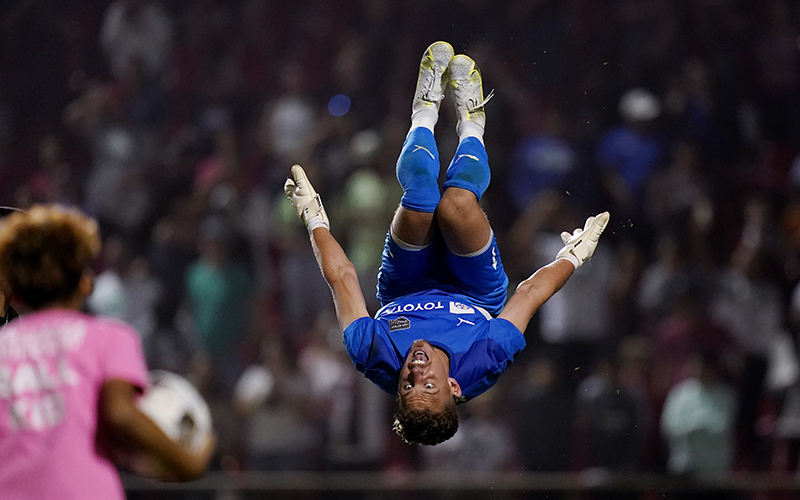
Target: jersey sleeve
[(371, 354), (498, 350), (358, 340), (507, 335), (123, 357)]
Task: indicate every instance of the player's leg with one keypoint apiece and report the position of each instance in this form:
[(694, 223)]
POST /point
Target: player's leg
[(418, 164), (407, 255), (472, 256), (463, 224)]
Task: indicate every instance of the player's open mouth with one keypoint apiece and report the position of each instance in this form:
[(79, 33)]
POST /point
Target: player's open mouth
[(419, 357)]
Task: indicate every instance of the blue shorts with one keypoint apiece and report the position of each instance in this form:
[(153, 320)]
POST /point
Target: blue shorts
[(480, 277)]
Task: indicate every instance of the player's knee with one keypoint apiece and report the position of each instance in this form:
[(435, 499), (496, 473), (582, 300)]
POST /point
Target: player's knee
[(455, 203)]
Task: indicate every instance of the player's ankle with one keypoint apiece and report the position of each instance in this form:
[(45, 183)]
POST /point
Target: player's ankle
[(426, 118), (470, 129)]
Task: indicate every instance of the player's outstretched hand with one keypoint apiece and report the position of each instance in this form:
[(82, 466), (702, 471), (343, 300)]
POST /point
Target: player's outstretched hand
[(580, 244), (305, 200)]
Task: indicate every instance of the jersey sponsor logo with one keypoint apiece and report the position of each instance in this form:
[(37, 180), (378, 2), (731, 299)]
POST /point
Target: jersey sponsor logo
[(419, 306), (461, 308), (401, 323)]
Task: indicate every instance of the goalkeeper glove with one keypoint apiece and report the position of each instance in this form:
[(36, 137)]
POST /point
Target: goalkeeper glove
[(305, 200), (579, 246)]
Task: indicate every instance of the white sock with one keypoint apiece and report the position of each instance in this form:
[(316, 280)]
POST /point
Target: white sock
[(424, 118), (469, 129)]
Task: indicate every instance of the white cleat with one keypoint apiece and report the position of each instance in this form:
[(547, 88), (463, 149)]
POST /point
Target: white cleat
[(465, 80), (432, 80)]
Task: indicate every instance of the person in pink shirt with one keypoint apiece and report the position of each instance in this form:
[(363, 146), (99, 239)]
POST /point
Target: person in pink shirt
[(69, 381)]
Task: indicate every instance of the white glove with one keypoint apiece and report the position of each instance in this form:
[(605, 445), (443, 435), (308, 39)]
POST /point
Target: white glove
[(579, 246), (305, 200)]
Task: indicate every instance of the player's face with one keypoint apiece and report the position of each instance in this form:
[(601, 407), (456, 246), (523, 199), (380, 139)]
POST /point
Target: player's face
[(424, 378)]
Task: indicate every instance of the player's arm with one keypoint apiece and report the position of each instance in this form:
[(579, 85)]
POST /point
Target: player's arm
[(336, 268), (539, 287), (123, 418), (534, 291), (341, 276)]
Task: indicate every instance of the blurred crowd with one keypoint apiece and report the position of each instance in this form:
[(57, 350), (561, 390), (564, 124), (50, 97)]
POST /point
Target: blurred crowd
[(675, 350)]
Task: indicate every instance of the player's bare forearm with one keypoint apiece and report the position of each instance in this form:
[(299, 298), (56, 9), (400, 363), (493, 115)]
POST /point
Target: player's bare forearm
[(341, 276), (119, 411), (535, 291), (579, 246), (336, 268)]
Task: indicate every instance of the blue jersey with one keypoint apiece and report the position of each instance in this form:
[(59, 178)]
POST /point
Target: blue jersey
[(480, 347)]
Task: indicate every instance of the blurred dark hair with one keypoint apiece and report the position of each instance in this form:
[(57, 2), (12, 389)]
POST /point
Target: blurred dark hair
[(44, 253), (424, 426)]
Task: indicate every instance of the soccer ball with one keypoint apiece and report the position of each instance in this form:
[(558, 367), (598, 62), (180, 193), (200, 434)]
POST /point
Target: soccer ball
[(174, 404), (177, 408)]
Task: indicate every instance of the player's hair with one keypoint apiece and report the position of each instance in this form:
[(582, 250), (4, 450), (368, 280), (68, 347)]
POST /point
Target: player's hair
[(44, 253), (424, 426)]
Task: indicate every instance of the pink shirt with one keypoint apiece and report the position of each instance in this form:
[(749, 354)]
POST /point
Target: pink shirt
[(53, 364)]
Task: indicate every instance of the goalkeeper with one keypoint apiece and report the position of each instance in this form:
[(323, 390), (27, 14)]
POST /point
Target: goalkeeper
[(445, 332)]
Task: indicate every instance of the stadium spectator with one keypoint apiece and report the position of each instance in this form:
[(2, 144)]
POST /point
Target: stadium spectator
[(279, 412), (748, 303), (219, 290), (678, 197), (629, 153), (541, 416), (687, 327), (136, 31), (126, 289), (699, 421), (544, 159), (611, 421)]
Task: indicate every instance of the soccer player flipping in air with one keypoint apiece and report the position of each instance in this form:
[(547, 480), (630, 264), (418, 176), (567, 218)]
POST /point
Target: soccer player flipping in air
[(445, 332)]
